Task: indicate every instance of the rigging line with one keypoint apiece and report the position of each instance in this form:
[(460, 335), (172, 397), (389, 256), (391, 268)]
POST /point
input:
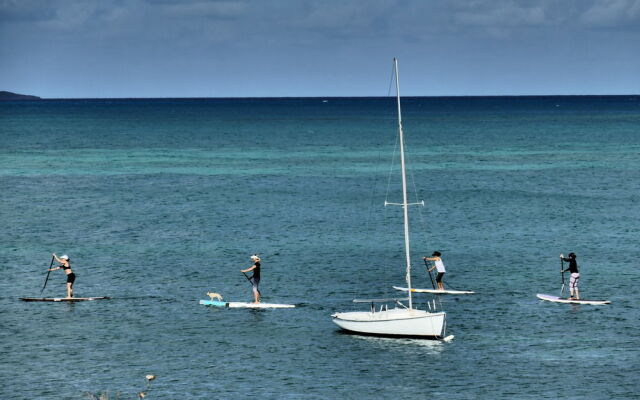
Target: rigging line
[(395, 149), (393, 161), (408, 161), (386, 218), (423, 231), (423, 226), (377, 181), (397, 140), (393, 74), (374, 187)]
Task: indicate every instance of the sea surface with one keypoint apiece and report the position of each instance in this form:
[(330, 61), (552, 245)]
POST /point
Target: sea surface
[(159, 201)]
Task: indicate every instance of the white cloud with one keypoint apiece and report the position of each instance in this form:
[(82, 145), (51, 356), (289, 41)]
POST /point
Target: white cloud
[(206, 9), (613, 14), (25, 10), (501, 14)]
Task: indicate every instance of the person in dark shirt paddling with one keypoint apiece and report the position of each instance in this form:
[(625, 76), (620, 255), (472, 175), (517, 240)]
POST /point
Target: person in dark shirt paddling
[(65, 264), (255, 278), (575, 275)]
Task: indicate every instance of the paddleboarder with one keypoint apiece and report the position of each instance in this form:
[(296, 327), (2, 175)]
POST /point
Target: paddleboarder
[(65, 265), (255, 278), (575, 275), (439, 266)]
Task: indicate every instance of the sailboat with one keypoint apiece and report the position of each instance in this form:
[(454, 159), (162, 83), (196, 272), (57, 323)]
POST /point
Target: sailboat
[(403, 320)]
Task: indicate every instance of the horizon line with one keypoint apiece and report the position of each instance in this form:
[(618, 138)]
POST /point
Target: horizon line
[(325, 97)]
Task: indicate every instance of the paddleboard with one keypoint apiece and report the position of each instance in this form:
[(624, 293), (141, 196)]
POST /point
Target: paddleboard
[(557, 299), (72, 299), (437, 291), (238, 304)]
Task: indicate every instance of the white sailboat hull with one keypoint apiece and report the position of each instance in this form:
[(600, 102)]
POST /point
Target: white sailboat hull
[(395, 322)]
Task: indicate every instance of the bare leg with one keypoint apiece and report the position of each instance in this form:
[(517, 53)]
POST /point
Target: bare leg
[(256, 295), (577, 294), (69, 290)]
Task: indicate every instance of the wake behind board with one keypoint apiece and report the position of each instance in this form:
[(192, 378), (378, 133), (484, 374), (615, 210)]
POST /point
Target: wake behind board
[(238, 304), (72, 299), (557, 299), (436, 291)]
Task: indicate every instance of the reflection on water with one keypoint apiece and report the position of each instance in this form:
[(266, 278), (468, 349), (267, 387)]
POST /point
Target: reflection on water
[(402, 344)]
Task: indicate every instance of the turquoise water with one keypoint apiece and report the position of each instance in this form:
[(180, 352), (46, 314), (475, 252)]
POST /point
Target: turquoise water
[(159, 201)]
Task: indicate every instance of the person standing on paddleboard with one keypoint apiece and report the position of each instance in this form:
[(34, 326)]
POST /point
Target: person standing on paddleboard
[(439, 265), (255, 278), (65, 264), (575, 275)]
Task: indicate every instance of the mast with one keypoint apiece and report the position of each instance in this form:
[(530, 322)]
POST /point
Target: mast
[(405, 203)]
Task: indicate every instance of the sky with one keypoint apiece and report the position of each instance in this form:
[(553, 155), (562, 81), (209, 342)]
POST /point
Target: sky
[(291, 48)]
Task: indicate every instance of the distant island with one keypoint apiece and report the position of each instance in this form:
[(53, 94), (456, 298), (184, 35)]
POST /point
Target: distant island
[(15, 96)]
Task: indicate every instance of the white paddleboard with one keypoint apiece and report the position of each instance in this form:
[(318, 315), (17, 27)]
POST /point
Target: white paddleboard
[(437, 291), (557, 299), (238, 304), (70, 299)]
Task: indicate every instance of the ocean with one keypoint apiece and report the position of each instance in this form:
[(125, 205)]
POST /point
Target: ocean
[(158, 201)]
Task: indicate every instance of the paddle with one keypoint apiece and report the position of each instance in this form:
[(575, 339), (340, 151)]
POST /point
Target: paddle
[(48, 272), (429, 271), (562, 273), (249, 279)]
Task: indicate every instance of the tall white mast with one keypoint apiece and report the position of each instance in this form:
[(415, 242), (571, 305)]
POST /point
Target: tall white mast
[(405, 203)]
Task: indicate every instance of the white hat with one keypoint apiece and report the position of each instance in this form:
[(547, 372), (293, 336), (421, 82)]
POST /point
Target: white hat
[(255, 257), (64, 257)]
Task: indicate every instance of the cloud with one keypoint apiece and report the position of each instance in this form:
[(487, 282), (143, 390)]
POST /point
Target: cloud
[(500, 14), (205, 9), (515, 15), (63, 16), (307, 20), (617, 14), (26, 10)]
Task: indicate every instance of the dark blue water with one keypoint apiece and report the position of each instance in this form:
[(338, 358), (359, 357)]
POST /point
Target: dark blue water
[(159, 201)]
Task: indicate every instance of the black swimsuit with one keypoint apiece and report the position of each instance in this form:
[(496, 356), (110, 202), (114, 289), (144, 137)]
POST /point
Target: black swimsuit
[(70, 277)]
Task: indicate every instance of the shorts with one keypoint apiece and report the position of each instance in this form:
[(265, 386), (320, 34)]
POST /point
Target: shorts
[(71, 278), (573, 281), (439, 277), (255, 282)]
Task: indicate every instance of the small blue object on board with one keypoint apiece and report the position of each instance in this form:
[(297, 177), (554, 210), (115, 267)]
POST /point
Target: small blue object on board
[(214, 303)]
